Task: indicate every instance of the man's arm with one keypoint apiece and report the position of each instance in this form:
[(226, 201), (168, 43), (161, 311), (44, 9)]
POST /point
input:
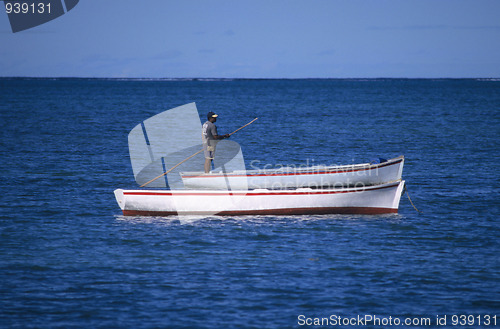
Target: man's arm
[(221, 136), (216, 136)]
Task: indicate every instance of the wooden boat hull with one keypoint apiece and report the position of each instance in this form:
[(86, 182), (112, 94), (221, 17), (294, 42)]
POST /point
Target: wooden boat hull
[(376, 199), (315, 177)]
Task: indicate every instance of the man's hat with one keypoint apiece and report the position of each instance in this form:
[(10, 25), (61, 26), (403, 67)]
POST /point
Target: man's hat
[(212, 115)]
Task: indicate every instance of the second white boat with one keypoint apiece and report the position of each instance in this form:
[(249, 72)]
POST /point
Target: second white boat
[(356, 175)]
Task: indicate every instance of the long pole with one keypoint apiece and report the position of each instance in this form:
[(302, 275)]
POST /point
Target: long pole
[(248, 124), (186, 159)]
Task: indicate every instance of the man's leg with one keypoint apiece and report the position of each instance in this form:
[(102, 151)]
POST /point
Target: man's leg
[(208, 163), (208, 157)]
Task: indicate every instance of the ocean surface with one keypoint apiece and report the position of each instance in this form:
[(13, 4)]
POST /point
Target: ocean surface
[(69, 259)]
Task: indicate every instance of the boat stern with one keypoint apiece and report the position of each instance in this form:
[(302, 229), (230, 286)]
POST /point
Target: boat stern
[(120, 198), (400, 172)]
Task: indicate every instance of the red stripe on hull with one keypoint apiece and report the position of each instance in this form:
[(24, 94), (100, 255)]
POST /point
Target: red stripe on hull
[(285, 211)]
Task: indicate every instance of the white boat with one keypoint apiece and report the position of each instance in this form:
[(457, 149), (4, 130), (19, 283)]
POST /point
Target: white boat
[(375, 199), (365, 174), (155, 146)]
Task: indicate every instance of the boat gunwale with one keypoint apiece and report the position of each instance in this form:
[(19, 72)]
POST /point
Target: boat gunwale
[(261, 192)]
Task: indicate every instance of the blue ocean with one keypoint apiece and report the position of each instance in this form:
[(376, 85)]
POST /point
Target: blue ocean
[(70, 259)]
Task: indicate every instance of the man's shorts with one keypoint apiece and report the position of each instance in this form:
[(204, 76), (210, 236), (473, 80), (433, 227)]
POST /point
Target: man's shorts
[(209, 151)]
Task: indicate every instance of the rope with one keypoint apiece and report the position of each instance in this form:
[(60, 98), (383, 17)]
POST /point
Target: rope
[(408, 195)]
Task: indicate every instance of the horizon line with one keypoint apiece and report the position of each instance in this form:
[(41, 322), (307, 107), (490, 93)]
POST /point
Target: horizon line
[(229, 79)]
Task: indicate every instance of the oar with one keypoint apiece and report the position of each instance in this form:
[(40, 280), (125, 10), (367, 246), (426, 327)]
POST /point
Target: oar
[(177, 165)]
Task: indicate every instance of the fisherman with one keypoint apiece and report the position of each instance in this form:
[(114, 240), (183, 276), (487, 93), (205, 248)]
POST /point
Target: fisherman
[(209, 136)]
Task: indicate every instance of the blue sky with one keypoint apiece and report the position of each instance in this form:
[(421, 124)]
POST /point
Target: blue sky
[(260, 39)]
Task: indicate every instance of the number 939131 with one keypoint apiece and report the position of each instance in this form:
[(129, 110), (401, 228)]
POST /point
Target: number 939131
[(15, 7)]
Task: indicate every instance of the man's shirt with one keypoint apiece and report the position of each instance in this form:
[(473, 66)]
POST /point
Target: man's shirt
[(209, 130)]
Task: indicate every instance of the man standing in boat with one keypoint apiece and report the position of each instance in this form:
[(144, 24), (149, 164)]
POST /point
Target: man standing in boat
[(209, 136)]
